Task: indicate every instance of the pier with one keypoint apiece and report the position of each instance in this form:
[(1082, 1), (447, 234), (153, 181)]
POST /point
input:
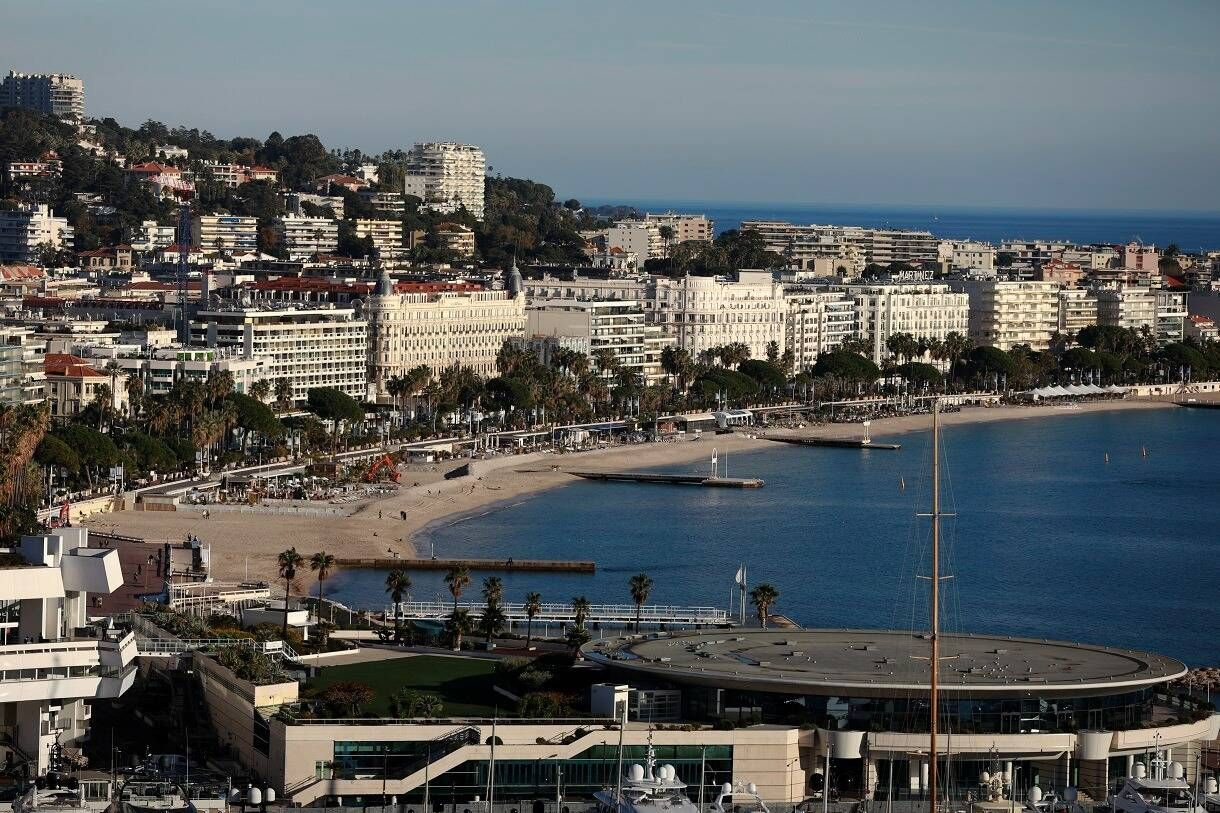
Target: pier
[(838, 443), (530, 565), (671, 479)]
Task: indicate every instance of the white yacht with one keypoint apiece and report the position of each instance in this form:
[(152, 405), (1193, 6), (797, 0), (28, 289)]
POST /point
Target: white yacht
[(647, 788), (1165, 793), (153, 796), (50, 800), (739, 797)]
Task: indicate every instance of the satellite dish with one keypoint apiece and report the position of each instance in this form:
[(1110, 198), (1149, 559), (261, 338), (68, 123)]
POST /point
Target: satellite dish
[(255, 796), (636, 773), (671, 773), (752, 788), (1034, 796), (1212, 785), (984, 778), (1176, 770), (1139, 770), (269, 795), (726, 788)]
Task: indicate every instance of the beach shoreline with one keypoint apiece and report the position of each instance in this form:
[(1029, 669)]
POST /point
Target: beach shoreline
[(245, 544)]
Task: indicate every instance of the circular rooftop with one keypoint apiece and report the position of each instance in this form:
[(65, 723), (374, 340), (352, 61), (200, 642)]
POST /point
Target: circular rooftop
[(883, 663)]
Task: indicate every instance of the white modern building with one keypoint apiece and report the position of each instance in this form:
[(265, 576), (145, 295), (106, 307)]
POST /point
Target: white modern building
[(587, 288), (924, 310), (701, 313), (413, 324), (453, 176), (968, 255), (817, 322), (231, 234), (617, 326), (639, 237), (153, 236), (1004, 313), (1171, 313), (29, 229), (304, 237), (54, 94), (160, 368), (311, 347), (386, 236), (51, 660), (1127, 306), (1077, 310)]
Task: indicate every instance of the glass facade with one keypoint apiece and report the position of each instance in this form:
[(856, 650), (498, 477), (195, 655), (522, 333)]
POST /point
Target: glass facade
[(581, 776), (967, 716)]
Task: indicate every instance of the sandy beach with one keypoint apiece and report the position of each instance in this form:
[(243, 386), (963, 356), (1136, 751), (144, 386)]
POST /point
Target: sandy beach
[(245, 545)]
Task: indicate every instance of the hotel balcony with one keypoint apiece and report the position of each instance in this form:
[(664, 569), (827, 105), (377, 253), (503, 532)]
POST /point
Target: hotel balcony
[(75, 667)]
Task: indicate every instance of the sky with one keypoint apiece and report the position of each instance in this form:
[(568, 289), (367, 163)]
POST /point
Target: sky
[(1010, 103)]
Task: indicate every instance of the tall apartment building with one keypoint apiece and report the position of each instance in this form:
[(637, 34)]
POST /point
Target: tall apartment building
[(53, 661), (456, 238), (1077, 310), (311, 347), (415, 323), (386, 236), (1171, 316), (453, 176), (924, 310), (817, 322), (54, 94), (231, 234), (685, 227), (638, 237), (856, 245), (1004, 313), (968, 255), (1138, 256), (153, 236), (618, 326), (885, 246), (303, 237), (699, 313), (1127, 306), (26, 231), (22, 377)]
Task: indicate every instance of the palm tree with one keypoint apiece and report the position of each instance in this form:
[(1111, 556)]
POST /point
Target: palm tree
[(762, 597), (260, 390), (533, 606), (493, 616), (135, 394), (323, 563), (580, 607), (457, 626), (397, 584), (289, 561), (641, 586), (104, 398), (285, 393), (456, 580), (219, 385)]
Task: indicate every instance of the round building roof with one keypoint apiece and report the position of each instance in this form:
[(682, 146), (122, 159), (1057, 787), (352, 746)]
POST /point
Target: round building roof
[(883, 663)]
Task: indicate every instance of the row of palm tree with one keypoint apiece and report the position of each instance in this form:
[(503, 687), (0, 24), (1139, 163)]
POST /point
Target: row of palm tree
[(321, 563)]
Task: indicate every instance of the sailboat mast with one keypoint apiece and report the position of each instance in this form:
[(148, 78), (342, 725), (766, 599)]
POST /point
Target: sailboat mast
[(934, 663)]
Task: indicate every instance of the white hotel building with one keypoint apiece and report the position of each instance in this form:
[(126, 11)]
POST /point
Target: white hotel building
[(27, 230), (311, 347), (415, 324), (1005, 313), (51, 662), (924, 310), (451, 176), (700, 313), (303, 237), (817, 322), (228, 233)]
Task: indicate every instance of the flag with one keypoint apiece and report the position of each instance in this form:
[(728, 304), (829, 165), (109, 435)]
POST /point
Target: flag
[(740, 578), (64, 511)]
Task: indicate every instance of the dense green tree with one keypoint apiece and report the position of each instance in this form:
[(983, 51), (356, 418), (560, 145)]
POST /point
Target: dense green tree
[(847, 366)]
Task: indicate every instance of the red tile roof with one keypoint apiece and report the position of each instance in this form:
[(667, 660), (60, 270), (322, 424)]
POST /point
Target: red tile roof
[(63, 364)]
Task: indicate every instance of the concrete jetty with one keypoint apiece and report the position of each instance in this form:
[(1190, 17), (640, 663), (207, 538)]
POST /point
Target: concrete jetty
[(532, 565), (838, 443), (671, 479)]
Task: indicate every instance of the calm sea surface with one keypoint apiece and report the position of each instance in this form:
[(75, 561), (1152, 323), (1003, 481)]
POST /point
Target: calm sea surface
[(1191, 231), (1049, 540)]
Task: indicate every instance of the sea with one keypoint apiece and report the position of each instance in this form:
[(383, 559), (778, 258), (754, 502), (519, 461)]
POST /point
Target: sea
[(1092, 527), (1190, 231)]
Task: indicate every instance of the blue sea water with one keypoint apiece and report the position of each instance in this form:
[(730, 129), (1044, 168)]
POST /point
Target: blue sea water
[(1191, 231), (1049, 540)]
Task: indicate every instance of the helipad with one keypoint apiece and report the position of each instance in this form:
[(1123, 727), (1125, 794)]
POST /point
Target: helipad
[(883, 663)]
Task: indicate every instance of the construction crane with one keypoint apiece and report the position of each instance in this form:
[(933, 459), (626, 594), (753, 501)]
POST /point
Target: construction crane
[(385, 463)]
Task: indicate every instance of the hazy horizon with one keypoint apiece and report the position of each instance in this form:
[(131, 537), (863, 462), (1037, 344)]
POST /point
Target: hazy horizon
[(1035, 105)]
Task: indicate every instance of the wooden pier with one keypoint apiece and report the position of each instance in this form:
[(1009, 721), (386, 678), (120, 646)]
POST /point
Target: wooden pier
[(838, 443), (530, 565), (671, 479)]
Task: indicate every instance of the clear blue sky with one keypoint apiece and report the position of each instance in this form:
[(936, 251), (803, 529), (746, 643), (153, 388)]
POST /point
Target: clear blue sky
[(1109, 103)]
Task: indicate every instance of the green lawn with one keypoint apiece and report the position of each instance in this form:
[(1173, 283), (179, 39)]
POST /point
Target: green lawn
[(464, 684)]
